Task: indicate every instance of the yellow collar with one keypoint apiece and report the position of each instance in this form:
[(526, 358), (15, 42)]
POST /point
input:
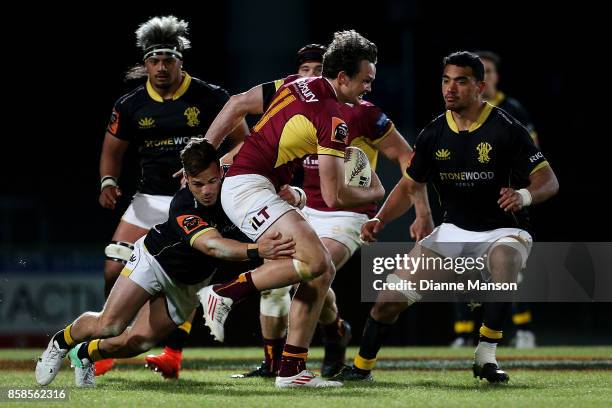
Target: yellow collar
[(498, 98), (486, 111), (179, 92)]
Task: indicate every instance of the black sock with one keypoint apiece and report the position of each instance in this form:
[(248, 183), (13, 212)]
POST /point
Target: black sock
[(495, 315), (177, 339), (374, 334)]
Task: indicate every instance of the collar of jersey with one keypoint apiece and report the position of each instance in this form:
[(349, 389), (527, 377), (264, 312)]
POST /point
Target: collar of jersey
[(499, 98), (477, 124), (179, 92), (332, 87)]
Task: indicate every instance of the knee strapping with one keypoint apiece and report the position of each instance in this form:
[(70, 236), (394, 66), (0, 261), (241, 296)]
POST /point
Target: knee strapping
[(119, 251), (302, 269), (512, 242), (275, 302), (411, 295)]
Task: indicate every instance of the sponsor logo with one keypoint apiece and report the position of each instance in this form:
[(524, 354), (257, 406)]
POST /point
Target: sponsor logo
[(339, 131), (536, 157), (261, 217), (443, 154), (171, 141), (483, 150), (146, 123), (190, 223), (133, 258), (192, 114), (467, 176), (308, 95), (311, 162), (113, 124)]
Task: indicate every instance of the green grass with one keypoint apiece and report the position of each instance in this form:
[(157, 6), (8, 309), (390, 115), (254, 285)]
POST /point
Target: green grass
[(134, 386)]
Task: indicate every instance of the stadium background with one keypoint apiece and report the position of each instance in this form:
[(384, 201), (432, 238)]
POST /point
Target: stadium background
[(65, 83)]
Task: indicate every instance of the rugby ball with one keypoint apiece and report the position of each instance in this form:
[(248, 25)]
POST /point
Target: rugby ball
[(357, 170)]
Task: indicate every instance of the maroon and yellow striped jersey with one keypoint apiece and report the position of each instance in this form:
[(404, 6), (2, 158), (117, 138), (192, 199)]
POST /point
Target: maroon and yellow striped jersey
[(303, 118), (368, 126)]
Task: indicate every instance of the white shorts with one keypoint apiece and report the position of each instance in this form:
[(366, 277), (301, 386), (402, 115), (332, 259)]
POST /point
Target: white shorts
[(144, 270), (252, 204), (341, 226), (450, 241), (146, 210)]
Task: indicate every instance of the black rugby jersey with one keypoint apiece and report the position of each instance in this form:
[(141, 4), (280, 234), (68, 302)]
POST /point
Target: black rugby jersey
[(469, 168), (170, 242), (161, 128), (515, 109)]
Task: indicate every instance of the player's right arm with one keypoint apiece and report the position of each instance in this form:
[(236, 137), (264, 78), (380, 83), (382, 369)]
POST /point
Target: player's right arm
[(337, 194), (213, 244), (233, 112), (400, 200)]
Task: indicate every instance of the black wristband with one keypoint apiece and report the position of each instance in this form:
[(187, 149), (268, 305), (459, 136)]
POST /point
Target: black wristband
[(253, 253)]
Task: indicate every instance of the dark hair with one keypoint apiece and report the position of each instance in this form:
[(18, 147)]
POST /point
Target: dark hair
[(466, 59), (310, 52), (345, 53), (198, 155), (491, 56)]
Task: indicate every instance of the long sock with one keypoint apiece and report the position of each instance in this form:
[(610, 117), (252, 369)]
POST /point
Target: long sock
[(521, 316), (273, 352), (495, 314), (374, 334), (293, 361), (238, 288), (91, 351), (177, 339), (332, 332), (64, 339)]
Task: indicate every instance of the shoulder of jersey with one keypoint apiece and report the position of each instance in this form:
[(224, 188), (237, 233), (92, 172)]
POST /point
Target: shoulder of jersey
[(199, 84), (134, 94)]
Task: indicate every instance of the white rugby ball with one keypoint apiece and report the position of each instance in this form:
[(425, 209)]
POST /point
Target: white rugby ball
[(357, 170)]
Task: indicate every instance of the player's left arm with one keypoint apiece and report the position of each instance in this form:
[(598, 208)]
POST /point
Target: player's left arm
[(530, 163), (395, 148), (543, 184)]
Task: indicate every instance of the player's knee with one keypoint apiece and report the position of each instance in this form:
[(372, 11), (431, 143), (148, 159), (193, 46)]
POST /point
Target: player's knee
[(275, 302), (506, 258), (119, 252), (315, 267)]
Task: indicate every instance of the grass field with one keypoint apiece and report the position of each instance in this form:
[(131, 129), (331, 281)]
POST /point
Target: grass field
[(572, 376)]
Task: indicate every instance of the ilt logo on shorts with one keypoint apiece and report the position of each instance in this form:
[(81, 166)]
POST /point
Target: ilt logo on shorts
[(261, 217)]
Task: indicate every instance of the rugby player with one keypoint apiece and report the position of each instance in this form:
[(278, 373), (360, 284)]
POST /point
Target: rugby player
[(304, 117), (159, 118), (488, 211), (158, 285)]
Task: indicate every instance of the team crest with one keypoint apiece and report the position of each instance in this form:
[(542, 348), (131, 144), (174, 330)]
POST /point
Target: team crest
[(483, 149), (443, 154), (192, 114), (339, 131), (190, 223), (146, 123)]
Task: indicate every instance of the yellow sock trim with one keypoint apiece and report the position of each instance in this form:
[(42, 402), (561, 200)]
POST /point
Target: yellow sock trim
[(364, 364), (186, 327), (464, 326), (303, 356), (522, 318), (492, 334), (67, 337), (126, 272), (93, 349)]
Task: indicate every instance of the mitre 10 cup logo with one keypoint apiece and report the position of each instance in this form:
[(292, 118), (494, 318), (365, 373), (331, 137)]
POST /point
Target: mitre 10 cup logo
[(339, 131), (190, 223)]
